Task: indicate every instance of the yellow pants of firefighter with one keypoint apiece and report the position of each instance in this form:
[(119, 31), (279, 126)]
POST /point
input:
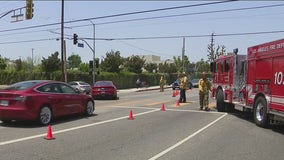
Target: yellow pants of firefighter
[(203, 100), (161, 88)]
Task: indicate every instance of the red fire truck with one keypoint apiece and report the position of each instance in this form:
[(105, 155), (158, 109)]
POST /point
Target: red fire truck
[(252, 82)]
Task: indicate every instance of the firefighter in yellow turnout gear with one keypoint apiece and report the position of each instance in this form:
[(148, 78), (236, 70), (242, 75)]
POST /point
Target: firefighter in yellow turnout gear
[(204, 87), (183, 86), (162, 83)]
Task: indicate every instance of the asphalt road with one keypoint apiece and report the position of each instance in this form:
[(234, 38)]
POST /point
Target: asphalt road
[(180, 132)]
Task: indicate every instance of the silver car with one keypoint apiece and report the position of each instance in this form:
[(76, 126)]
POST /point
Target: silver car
[(81, 87), (195, 83)]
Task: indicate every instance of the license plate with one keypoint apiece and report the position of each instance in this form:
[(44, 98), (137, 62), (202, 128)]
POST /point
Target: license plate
[(4, 103)]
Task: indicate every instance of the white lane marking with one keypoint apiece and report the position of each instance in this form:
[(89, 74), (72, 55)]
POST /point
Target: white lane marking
[(169, 109), (186, 139), (74, 128)]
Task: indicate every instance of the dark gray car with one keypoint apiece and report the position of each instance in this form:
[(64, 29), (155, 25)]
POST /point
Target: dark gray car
[(175, 84)]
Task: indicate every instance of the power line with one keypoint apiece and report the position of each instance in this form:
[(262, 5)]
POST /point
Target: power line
[(25, 41), (188, 36), (161, 37), (118, 15), (159, 17), (190, 14), (133, 46)]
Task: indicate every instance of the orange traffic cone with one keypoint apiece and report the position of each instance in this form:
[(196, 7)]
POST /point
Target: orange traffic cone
[(163, 107), (178, 103), (177, 92), (174, 94), (49, 133), (130, 115)]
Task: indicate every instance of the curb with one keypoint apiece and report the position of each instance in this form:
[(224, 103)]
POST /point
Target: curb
[(151, 89)]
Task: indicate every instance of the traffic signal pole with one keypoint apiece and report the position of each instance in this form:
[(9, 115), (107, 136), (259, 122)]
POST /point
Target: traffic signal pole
[(94, 54), (75, 41)]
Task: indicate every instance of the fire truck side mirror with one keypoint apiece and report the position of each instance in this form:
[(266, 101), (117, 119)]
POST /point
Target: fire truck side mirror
[(235, 51)]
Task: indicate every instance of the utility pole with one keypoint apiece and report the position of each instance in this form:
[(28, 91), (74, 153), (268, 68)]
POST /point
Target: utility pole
[(62, 42), (182, 57), (64, 59)]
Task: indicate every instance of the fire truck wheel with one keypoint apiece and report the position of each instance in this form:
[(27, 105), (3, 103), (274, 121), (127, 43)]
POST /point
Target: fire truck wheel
[(260, 112), (220, 101)]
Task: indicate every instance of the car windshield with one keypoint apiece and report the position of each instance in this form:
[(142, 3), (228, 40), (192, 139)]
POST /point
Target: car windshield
[(103, 83), (23, 85), (195, 80)]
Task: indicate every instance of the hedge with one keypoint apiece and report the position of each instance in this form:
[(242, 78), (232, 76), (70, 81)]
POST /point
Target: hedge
[(122, 80)]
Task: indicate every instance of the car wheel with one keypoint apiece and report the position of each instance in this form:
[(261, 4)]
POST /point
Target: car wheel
[(220, 101), (90, 108), (45, 115), (260, 112)]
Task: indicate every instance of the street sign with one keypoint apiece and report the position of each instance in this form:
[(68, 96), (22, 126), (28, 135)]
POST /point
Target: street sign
[(17, 18), (81, 45)]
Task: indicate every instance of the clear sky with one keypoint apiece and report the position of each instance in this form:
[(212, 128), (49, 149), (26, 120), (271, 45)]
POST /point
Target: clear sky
[(231, 18)]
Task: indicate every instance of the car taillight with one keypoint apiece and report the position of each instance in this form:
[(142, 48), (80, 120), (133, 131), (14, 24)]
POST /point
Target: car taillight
[(112, 89)]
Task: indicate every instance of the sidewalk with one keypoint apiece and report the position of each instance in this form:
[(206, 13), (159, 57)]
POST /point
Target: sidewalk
[(3, 86)]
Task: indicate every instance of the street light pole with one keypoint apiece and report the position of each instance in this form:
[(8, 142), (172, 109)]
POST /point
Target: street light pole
[(94, 54)]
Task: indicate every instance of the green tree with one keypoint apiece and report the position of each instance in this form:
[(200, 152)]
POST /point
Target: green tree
[(214, 53), (22, 65), (179, 64), (172, 68), (150, 67), (74, 61), (18, 65), (134, 64), (167, 68), (163, 67), (3, 64), (52, 63), (203, 66), (112, 62), (84, 67)]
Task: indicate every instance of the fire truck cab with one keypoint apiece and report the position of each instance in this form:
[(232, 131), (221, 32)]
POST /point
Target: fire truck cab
[(252, 82)]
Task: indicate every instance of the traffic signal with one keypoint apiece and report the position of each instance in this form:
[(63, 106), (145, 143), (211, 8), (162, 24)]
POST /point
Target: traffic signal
[(91, 65), (29, 9), (75, 38)]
